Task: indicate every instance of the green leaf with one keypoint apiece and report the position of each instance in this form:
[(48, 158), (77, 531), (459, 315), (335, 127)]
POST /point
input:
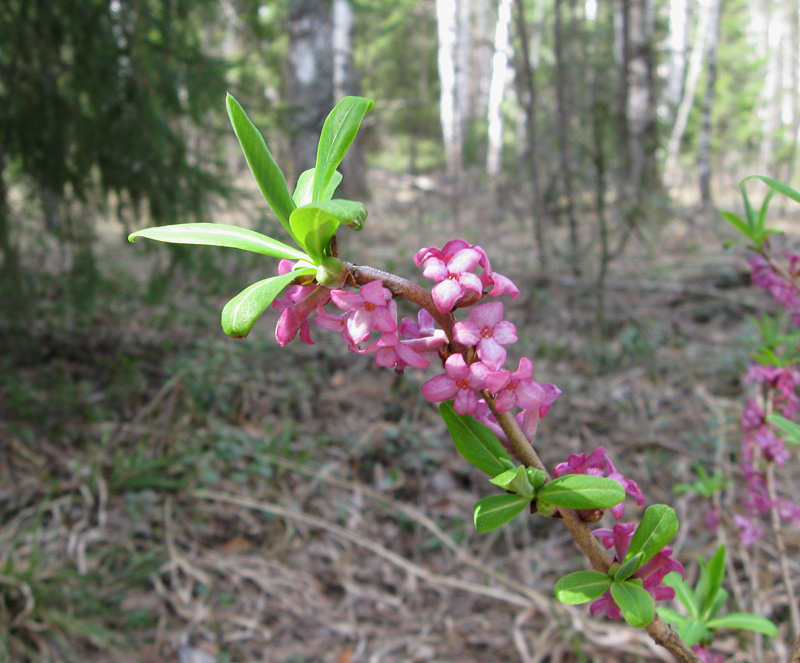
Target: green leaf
[(496, 510), (627, 569), (516, 481), (739, 223), (582, 491), (581, 587), (536, 477), (269, 177), (694, 632), (635, 602), (659, 524), (719, 600), (744, 620), (338, 132), (776, 186), (241, 312), (304, 188), (672, 616), (790, 429), (219, 234), (714, 572), (314, 228), (474, 441), (683, 592)]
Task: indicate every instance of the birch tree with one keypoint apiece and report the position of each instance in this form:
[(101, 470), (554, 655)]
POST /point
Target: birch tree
[(494, 152), (678, 44), (446, 18), (704, 147), (689, 93)]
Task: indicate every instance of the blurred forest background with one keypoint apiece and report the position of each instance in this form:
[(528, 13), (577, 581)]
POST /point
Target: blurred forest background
[(168, 494)]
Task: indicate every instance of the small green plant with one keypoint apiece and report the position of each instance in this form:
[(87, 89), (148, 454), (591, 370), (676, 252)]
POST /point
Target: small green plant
[(703, 603)]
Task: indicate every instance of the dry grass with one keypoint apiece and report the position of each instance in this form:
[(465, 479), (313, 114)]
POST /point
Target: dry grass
[(226, 501)]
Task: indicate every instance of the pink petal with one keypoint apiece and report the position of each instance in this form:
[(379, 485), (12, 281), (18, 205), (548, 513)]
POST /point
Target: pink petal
[(505, 332), (487, 315), (464, 260), (439, 388), (491, 353), (445, 294), (466, 401), (467, 333)]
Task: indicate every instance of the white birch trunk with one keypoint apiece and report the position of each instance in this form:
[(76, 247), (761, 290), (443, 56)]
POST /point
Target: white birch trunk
[(678, 47), (342, 44), (771, 107), (689, 93), (446, 18), (494, 153)]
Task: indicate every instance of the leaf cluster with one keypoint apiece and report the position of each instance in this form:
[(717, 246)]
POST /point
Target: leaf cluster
[(659, 524), (525, 486), (310, 216), (754, 223), (704, 602)]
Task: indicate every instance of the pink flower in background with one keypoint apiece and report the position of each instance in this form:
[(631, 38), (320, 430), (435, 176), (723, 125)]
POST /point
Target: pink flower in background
[(487, 330), (749, 531)]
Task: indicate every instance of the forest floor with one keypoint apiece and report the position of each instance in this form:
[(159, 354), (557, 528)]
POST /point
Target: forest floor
[(171, 495)]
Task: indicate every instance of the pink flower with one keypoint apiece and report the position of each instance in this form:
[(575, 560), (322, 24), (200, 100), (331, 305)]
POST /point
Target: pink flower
[(454, 278), (705, 655), (652, 573), (597, 463), (516, 388), (749, 531), (295, 306), (487, 330), (459, 381), (501, 285), (423, 328), (373, 307), (393, 353)]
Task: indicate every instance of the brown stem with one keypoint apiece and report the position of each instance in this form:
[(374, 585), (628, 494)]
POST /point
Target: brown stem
[(661, 632), (400, 287)]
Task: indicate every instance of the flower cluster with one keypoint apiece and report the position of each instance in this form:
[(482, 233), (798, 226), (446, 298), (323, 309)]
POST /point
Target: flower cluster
[(368, 323), (371, 310), (467, 375), (761, 445), (599, 464), (652, 573), (453, 268), (764, 276)]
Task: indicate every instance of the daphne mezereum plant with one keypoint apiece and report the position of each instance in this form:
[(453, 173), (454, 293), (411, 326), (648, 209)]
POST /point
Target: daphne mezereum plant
[(492, 412)]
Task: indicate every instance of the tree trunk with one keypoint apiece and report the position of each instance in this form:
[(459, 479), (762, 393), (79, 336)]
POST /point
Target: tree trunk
[(679, 13), (704, 147), (771, 103), (12, 295), (563, 137), (641, 110), (448, 108), (526, 80), (494, 152), (345, 83), (689, 93), (310, 77)]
